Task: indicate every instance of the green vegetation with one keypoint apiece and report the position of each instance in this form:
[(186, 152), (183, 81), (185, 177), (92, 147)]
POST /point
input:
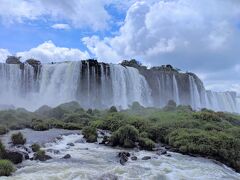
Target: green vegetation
[(206, 133), (6, 167), (35, 147), (40, 153), (125, 136), (2, 150), (112, 109), (146, 143), (39, 125), (90, 133), (41, 156), (18, 138), (3, 130)]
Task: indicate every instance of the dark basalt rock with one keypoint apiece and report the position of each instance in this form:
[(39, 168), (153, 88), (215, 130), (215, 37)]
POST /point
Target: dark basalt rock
[(36, 65), (67, 156), (24, 148), (33, 62), (15, 156), (134, 158), (123, 157), (80, 141), (146, 158), (70, 144), (41, 156), (13, 60), (54, 151), (105, 140), (161, 152)]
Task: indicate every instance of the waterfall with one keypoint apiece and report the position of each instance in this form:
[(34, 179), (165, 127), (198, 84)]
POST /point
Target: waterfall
[(92, 85), (167, 87), (238, 104), (129, 86), (16, 84), (175, 90), (100, 85), (222, 101), (194, 94)]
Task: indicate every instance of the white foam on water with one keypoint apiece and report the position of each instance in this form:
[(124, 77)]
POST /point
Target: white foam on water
[(91, 161)]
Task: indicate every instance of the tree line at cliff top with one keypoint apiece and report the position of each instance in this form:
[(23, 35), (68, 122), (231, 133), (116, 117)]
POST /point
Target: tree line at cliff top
[(179, 128)]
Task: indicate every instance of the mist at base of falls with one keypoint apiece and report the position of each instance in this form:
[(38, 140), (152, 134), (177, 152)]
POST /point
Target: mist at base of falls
[(100, 85)]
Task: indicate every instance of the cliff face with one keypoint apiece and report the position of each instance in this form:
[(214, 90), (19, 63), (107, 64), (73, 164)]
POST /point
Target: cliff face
[(100, 85)]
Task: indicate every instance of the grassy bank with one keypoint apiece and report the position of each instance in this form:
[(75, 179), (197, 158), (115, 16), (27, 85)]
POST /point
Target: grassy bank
[(205, 133)]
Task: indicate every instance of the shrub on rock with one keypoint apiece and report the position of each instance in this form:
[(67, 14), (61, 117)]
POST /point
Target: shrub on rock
[(35, 147), (18, 139), (144, 135), (2, 150), (41, 156), (125, 136), (146, 143), (90, 134), (3, 130), (39, 125), (136, 107), (207, 116), (113, 109), (171, 106), (6, 167), (72, 126)]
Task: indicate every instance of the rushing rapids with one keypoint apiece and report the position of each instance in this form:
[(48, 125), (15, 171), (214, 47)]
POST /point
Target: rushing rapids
[(100, 85), (94, 161)]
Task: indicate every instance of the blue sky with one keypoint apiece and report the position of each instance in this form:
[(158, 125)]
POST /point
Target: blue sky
[(198, 36), (21, 36)]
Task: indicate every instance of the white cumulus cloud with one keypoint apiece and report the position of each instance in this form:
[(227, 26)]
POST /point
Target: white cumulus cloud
[(80, 14), (4, 53), (199, 36), (49, 52), (61, 26)]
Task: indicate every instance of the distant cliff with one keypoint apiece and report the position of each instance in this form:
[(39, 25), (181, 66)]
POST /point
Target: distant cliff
[(100, 85)]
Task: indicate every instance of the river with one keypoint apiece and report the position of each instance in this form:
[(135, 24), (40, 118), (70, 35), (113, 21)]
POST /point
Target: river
[(93, 161)]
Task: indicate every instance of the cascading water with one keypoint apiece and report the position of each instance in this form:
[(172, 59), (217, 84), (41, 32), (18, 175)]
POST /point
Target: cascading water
[(175, 91), (194, 93), (100, 85), (223, 101), (92, 86), (94, 161), (129, 86)]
